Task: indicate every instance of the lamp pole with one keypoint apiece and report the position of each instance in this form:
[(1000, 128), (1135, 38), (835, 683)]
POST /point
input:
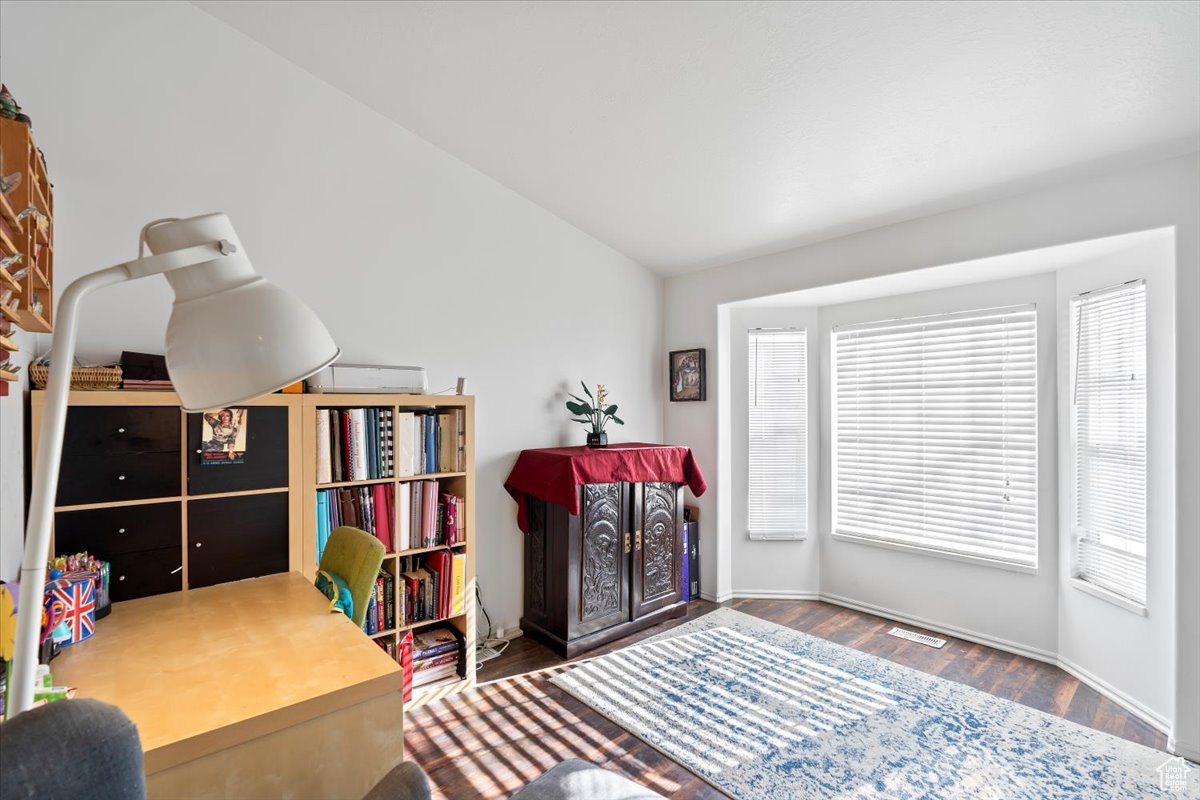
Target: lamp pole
[(49, 451)]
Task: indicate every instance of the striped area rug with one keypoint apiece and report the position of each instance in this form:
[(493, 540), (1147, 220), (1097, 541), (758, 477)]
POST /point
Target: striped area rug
[(763, 712)]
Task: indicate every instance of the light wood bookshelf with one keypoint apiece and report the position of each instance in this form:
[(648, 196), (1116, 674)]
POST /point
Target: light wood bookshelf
[(461, 484)]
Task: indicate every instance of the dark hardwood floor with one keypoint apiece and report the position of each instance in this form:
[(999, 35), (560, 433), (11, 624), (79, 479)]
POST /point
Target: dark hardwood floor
[(493, 740)]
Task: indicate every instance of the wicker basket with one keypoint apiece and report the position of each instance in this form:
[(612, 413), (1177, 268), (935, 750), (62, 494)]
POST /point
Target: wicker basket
[(86, 378)]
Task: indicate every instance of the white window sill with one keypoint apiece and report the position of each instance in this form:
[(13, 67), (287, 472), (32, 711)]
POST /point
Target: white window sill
[(776, 537), (925, 551), (1111, 597)]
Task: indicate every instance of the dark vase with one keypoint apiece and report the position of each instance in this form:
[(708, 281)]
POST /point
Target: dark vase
[(597, 440)]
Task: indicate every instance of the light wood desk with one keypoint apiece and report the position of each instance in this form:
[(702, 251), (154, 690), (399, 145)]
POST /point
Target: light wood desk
[(246, 690)]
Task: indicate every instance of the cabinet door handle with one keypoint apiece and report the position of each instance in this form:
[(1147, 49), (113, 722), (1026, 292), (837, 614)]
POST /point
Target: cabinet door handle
[(198, 544), (638, 541), (120, 477), (120, 530), (627, 538), (120, 430), (177, 569)]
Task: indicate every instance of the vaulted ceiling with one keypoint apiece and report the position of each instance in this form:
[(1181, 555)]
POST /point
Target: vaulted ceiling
[(687, 134)]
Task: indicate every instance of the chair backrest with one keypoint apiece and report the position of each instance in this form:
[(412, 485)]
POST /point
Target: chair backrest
[(356, 557)]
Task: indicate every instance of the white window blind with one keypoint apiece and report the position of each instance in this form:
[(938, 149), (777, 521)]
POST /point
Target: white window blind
[(1109, 438), (778, 442), (935, 441)]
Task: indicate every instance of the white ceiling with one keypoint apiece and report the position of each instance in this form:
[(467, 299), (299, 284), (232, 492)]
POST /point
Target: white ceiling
[(690, 134)]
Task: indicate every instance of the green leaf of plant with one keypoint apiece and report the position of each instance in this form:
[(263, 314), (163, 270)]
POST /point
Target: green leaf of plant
[(618, 420), (586, 390), (582, 409), (582, 421), (578, 398), (610, 410)]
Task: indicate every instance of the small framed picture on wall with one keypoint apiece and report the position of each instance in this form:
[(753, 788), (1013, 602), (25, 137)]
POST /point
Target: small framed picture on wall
[(686, 372)]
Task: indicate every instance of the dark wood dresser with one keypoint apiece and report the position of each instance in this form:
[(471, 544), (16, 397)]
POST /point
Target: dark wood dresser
[(602, 558), (610, 570)]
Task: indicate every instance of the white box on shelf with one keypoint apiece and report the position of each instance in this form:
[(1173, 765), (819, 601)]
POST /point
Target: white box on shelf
[(368, 379)]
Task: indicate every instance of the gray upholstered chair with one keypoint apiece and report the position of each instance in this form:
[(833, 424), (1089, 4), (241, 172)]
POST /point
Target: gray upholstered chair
[(70, 750)]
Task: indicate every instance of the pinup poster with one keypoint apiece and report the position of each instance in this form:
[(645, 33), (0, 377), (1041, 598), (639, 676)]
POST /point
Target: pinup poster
[(223, 436)]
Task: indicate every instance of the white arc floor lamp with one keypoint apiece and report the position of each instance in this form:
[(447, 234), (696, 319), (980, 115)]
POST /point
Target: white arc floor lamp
[(232, 337)]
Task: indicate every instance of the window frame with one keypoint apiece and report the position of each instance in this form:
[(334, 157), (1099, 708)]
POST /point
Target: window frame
[(805, 470), (1078, 580), (1032, 308)]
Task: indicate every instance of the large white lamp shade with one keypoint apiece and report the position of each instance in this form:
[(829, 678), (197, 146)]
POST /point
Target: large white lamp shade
[(233, 335)]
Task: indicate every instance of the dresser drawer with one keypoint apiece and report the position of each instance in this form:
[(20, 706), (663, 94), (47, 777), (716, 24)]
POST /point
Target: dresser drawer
[(142, 543), (107, 532), (121, 476), (110, 430), (145, 573)]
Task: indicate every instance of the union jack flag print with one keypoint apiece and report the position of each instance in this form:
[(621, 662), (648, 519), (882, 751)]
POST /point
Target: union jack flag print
[(79, 597)]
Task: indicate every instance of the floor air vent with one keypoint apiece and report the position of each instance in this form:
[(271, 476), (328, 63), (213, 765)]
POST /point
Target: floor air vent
[(932, 641)]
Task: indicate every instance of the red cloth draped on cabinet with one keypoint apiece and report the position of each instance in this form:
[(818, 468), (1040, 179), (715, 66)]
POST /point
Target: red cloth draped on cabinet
[(554, 474)]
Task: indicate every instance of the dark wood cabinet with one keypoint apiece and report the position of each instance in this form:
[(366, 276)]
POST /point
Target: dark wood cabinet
[(612, 569), (233, 538)]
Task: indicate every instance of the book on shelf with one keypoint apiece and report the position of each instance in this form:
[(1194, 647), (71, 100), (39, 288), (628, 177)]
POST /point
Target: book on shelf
[(369, 508), (683, 563), (381, 610), (693, 559), (324, 448), (433, 586), (354, 444), (369, 624), (428, 517), (437, 655), (404, 657), (429, 441)]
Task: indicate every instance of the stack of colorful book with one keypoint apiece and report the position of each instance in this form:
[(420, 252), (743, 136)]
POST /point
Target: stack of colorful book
[(433, 586), (428, 517), (381, 606), (437, 656), (354, 444), (428, 442), (369, 508)]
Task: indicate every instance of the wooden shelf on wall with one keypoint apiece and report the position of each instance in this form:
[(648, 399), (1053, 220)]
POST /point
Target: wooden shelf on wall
[(27, 229)]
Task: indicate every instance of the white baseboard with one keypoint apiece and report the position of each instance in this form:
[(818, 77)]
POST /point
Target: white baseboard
[(1135, 707), (716, 598), (510, 632), (1188, 750), (776, 594), (941, 627)]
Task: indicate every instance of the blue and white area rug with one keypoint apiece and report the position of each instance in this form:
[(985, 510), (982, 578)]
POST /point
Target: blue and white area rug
[(764, 712)]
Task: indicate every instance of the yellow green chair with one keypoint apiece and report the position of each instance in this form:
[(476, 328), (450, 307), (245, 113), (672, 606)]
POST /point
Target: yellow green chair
[(355, 556)]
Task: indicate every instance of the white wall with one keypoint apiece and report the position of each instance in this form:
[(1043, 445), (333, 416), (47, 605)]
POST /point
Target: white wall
[(1004, 605), (769, 568), (12, 461), (1124, 651), (409, 255), (1157, 195)]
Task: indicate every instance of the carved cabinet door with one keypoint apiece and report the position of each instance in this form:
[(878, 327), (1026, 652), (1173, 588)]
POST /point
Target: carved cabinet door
[(658, 545), (599, 574)]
